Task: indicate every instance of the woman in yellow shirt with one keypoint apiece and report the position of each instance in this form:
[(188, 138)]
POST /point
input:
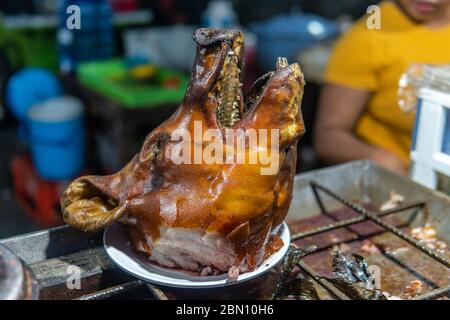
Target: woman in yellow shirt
[(359, 116)]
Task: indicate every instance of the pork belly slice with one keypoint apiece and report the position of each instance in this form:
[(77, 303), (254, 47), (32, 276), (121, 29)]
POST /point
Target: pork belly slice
[(191, 249), (201, 251)]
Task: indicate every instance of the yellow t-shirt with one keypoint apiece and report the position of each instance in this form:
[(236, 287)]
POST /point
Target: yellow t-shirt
[(374, 60)]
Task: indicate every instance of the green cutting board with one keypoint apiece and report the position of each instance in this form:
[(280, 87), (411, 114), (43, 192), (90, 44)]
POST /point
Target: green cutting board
[(110, 79)]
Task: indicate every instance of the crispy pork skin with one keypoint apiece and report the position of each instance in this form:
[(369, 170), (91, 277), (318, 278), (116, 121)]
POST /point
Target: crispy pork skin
[(205, 216)]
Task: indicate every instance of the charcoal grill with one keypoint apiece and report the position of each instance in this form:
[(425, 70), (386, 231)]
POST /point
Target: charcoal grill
[(331, 207)]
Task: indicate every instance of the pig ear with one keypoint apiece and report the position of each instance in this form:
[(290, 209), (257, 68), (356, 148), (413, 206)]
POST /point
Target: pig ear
[(278, 106), (89, 205)]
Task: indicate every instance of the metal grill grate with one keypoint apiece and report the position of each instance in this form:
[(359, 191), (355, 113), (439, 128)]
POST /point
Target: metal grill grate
[(123, 289), (367, 215)]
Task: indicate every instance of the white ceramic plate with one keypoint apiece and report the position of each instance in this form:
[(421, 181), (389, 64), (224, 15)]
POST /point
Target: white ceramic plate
[(115, 241)]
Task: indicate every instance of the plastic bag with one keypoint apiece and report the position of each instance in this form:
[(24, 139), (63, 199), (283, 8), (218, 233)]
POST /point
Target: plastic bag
[(421, 76)]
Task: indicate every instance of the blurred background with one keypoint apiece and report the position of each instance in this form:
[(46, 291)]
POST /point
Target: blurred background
[(81, 101)]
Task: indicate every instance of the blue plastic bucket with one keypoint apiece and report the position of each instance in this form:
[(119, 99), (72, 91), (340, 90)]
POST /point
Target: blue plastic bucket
[(22, 91), (57, 137)]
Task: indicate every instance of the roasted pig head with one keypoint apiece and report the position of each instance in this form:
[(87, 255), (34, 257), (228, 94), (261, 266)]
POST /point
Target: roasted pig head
[(202, 203)]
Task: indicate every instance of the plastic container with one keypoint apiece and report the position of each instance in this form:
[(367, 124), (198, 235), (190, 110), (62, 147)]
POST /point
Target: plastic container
[(219, 14), (424, 89), (446, 138), (430, 152), (93, 41), (22, 91), (57, 137), (287, 35)]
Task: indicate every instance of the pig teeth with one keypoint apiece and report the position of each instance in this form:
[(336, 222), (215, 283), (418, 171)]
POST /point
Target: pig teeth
[(228, 92), (282, 63)]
